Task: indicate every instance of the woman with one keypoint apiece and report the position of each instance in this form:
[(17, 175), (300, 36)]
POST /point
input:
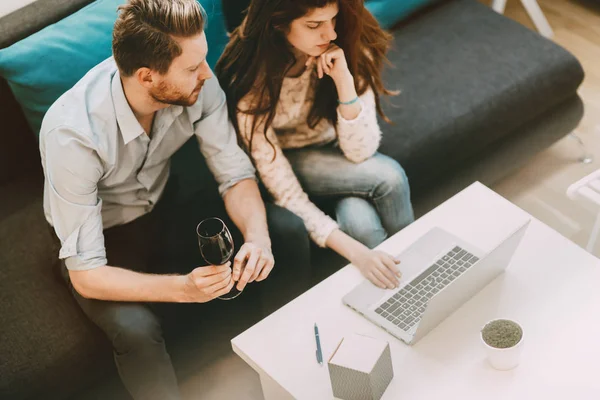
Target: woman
[(303, 79)]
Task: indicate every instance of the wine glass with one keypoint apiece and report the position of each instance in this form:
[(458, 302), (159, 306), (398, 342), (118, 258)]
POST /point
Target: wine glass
[(216, 246)]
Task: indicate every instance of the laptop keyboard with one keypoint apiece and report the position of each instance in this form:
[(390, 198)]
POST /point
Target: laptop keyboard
[(406, 307)]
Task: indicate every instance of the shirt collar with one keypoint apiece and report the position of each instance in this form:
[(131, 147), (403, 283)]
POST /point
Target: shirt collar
[(128, 123)]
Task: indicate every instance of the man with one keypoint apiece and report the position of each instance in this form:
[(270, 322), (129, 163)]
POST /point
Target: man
[(105, 148)]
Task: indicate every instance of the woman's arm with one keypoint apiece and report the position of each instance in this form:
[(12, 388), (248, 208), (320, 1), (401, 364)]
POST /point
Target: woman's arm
[(359, 138), (357, 128), (280, 180), (378, 267)]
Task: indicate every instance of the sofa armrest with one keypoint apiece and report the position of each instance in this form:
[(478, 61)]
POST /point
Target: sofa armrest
[(19, 154), (35, 16)]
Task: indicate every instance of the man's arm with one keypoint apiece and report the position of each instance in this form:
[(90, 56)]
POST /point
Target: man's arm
[(246, 208), (73, 169), (236, 177), (118, 284)]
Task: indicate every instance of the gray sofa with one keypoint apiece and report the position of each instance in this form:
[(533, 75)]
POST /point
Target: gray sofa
[(472, 81)]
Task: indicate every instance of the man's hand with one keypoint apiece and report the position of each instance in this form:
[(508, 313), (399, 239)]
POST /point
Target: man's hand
[(204, 284), (253, 262), (245, 206)]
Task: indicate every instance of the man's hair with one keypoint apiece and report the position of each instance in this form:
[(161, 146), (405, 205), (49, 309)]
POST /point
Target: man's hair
[(144, 31)]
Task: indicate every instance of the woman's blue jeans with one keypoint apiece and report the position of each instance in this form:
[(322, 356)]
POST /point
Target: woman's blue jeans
[(372, 199)]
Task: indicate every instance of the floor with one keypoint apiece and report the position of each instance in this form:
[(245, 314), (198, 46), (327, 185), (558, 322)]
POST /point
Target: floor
[(539, 187)]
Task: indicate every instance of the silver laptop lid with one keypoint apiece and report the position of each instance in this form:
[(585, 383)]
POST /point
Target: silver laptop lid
[(449, 299)]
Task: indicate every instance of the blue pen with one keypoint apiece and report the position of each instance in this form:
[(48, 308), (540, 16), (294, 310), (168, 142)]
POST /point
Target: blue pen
[(319, 353)]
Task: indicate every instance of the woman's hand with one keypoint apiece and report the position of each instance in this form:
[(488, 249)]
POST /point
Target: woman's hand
[(333, 63), (378, 267)]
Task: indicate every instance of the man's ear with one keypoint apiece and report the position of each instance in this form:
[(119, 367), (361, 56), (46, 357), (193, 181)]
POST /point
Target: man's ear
[(144, 77)]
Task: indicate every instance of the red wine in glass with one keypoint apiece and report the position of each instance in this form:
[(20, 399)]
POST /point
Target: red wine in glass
[(216, 246)]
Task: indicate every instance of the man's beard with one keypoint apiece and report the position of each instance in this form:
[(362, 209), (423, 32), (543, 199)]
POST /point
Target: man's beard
[(166, 94)]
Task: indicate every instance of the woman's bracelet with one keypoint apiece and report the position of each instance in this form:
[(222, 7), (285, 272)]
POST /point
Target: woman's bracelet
[(347, 103)]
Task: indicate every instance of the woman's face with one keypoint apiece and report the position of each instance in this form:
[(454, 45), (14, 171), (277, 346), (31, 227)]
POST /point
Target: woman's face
[(313, 33)]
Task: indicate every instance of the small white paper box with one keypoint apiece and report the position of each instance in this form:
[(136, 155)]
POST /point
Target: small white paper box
[(360, 368)]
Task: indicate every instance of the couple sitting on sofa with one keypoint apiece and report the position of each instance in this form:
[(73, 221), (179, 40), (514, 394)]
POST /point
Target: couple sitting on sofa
[(303, 85)]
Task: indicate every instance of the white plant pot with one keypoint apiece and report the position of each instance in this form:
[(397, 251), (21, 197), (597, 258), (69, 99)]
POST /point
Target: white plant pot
[(504, 359)]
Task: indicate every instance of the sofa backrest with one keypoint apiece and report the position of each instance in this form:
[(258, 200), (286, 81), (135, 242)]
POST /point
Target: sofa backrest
[(18, 146), (33, 17)]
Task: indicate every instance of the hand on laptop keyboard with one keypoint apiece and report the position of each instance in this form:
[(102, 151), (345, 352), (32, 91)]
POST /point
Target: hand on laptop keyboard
[(406, 307), (378, 267)]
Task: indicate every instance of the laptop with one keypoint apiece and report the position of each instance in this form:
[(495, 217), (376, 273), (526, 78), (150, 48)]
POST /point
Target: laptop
[(442, 272)]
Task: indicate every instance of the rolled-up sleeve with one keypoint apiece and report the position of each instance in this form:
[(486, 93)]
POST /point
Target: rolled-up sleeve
[(218, 142), (72, 170)]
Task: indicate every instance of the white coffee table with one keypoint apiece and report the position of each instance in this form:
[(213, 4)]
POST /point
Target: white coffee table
[(552, 287)]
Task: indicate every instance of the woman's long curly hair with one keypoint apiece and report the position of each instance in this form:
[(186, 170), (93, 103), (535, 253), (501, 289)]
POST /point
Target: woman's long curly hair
[(259, 56)]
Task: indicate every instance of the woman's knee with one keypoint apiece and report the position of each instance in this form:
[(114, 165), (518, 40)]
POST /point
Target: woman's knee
[(358, 218), (390, 177)]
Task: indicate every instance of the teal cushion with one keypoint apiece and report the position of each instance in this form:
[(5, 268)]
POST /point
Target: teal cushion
[(41, 67), (389, 12)]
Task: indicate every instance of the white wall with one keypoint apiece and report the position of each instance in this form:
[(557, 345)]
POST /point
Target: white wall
[(8, 6)]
